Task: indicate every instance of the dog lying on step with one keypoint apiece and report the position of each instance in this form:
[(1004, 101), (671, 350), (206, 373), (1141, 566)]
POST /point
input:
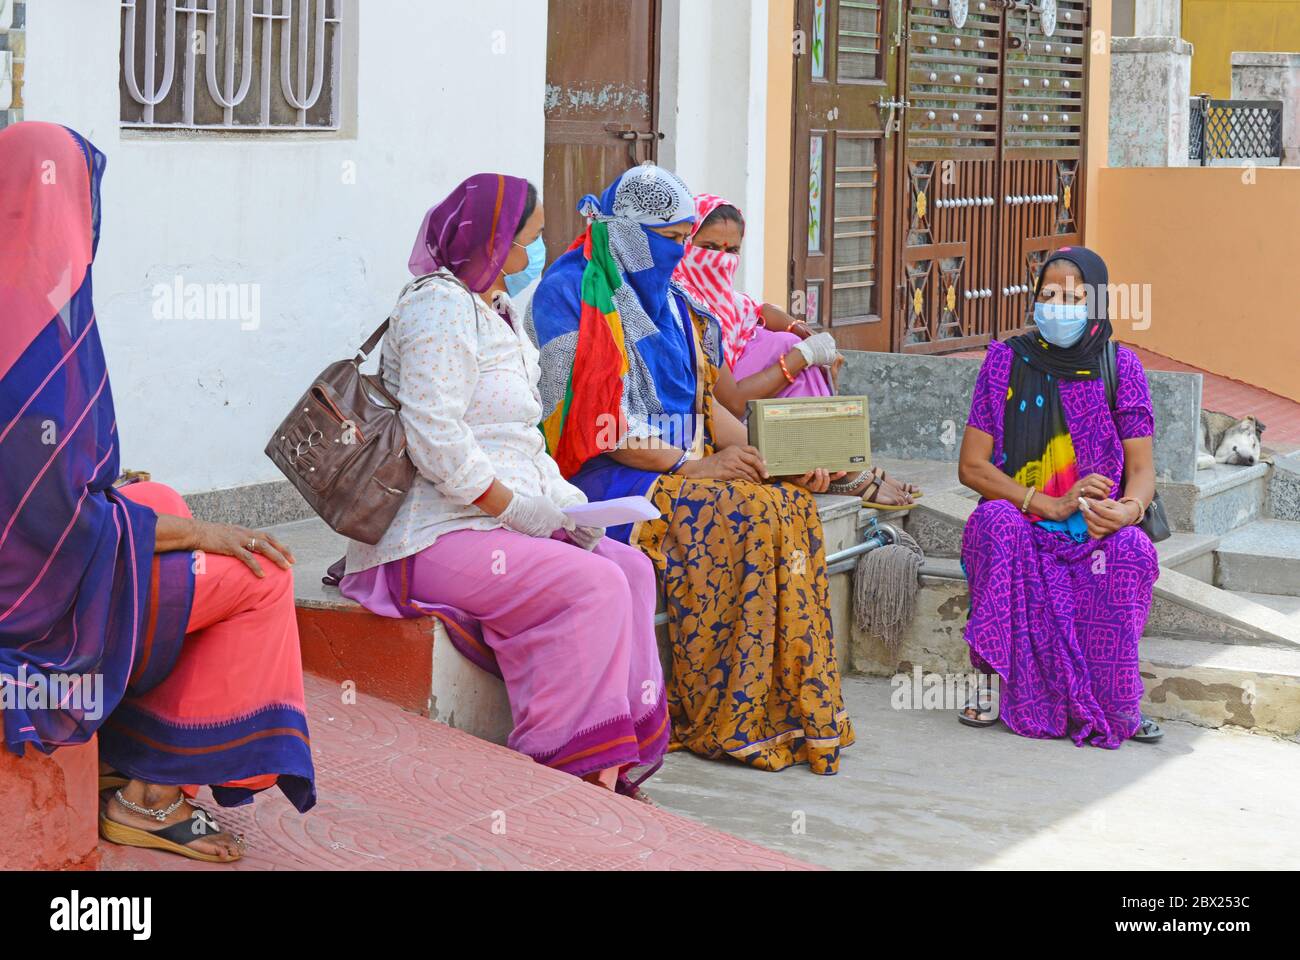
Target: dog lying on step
[(1233, 441)]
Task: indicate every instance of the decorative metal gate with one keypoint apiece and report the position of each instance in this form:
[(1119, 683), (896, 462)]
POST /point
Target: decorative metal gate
[(987, 158)]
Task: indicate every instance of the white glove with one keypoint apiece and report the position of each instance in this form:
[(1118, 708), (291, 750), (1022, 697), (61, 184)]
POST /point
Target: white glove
[(586, 537), (534, 516), (819, 351)]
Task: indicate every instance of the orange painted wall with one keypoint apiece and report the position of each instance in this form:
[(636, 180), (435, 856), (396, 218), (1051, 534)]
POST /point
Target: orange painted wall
[(1221, 255), (780, 126)]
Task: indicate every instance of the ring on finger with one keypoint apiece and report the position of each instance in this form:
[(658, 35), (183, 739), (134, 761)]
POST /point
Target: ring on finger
[(252, 545)]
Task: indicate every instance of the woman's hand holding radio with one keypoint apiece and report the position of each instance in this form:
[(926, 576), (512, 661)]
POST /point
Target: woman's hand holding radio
[(731, 463)]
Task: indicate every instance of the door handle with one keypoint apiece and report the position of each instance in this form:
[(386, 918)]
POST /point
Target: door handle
[(897, 110), (632, 136)]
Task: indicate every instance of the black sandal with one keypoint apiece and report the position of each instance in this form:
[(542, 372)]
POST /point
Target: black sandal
[(1148, 731), (981, 703), (173, 839)]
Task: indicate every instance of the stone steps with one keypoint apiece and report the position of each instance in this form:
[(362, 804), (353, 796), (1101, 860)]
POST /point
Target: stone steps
[(1260, 557), (1207, 682), (1218, 500)]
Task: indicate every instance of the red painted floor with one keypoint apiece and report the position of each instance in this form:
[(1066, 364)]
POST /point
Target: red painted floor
[(1280, 416), (399, 792)]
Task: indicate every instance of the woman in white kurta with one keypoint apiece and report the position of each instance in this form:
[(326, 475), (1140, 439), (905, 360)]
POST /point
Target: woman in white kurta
[(565, 616)]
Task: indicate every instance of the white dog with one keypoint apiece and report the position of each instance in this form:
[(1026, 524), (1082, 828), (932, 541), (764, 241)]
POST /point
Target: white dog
[(1232, 440)]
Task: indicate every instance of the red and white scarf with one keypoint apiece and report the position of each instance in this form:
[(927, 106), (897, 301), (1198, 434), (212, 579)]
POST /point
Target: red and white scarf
[(710, 276)]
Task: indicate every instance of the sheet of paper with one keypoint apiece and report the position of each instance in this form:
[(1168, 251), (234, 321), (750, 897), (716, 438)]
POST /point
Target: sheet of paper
[(612, 513)]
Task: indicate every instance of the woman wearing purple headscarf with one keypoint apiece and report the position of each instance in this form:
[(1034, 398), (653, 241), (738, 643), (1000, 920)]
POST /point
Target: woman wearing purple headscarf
[(564, 616)]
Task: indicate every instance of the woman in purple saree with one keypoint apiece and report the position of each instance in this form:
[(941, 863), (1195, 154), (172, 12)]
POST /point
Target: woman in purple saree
[(1060, 574), (161, 634)]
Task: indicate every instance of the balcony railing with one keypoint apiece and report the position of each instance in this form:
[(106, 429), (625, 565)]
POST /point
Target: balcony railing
[(1233, 132)]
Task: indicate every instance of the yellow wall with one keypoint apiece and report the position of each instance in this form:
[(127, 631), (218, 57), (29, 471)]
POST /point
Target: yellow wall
[(1218, 27), (1218, 253)]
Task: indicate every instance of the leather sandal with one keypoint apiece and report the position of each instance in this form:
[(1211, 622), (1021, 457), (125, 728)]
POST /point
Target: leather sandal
[(175, 838), (1148, 731)]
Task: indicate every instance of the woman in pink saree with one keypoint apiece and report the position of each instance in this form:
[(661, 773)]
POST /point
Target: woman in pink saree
[(164, 635)]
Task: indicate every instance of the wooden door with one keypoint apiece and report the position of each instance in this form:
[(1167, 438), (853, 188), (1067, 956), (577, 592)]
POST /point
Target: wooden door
[(602, 61), (843, 191), (992, 163)]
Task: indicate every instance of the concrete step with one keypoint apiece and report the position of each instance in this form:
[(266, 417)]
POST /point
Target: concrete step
[(1284, 487), (1189, 553), (1289, 606), (1261, 557), (1214, 685), (1203, 681), (1218, 500)]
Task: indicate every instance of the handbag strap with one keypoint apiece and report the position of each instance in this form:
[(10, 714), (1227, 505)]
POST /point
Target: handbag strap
[(1110, 372), (372, 341)]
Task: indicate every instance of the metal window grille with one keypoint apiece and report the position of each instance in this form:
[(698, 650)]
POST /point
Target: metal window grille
[(244, 65), (1234, 131)]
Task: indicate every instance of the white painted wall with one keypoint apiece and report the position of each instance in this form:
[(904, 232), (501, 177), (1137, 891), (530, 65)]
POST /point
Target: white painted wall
[(197, 400), (713, 109)]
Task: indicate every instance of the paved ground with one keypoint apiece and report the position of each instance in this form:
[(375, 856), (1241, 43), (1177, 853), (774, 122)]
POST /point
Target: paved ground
[(917, 791), (920, 791), (398, 792)]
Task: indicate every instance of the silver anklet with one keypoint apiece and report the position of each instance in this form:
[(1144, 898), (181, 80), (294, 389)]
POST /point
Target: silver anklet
[(159, 815), (846, 485)]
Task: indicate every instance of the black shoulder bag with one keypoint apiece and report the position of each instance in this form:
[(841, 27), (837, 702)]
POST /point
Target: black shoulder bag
[(1154, 522)]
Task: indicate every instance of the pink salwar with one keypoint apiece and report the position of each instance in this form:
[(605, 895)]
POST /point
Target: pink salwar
[(765, 349), (572, 633), (238, 677)]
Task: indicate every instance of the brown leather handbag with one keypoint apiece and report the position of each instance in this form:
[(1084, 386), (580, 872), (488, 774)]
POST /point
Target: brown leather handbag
[(344, 449)]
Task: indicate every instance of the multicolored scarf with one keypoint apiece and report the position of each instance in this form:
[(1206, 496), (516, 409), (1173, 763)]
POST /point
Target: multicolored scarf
[(82, 594), (710, 276), (606, 322), (1036, 437)]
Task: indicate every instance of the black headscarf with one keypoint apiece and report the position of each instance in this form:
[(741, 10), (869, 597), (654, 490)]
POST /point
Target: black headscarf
[(1034, 417), (1083, 360)]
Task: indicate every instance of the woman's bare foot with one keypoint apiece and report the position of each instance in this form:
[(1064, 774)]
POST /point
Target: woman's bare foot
[(154, 796), (604, 778)]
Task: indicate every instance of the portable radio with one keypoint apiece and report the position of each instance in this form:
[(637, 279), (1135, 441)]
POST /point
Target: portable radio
[(798, 434)]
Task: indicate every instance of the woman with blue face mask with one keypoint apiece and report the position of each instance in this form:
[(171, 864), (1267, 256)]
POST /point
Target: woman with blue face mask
[(1061, 576)]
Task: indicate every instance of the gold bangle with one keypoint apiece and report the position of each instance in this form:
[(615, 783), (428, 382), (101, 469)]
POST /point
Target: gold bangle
[(1024, 507), (1142, 509)]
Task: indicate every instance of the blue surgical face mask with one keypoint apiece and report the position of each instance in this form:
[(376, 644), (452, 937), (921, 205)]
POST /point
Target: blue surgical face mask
[(1061, 324), (517, 283)]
